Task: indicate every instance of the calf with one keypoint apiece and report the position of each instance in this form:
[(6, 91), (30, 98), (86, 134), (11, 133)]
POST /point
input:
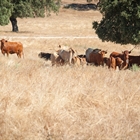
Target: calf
[(124, 56), (114, 62), (76, 61)]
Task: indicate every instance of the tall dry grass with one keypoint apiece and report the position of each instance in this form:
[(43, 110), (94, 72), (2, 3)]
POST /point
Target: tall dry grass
[(40, 102)]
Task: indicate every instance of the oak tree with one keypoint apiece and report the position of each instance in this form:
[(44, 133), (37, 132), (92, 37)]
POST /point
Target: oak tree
[(120, 21), (10, 10)]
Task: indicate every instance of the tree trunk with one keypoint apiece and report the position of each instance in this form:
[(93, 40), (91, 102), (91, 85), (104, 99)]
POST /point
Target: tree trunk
[(14, 24)]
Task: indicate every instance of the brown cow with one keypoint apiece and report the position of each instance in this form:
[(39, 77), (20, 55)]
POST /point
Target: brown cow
[(90, 50), (97, 58), (124, 56), (134, 60), (11, 47), (114, 62)]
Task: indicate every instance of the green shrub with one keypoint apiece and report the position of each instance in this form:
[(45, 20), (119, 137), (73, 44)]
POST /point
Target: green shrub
[(135, 67)]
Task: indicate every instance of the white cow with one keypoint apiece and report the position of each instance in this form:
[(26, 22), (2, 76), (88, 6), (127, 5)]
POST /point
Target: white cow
[(67, 54)]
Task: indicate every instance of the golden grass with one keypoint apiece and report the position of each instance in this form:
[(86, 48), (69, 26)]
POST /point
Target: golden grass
[(40, 102)]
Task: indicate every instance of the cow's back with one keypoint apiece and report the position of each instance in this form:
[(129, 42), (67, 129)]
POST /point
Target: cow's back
[(88, 51), (95, 58), (65, 55), (112, 62), (114, 54)]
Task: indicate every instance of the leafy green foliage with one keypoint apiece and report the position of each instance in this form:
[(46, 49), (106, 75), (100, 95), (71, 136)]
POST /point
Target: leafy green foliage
[(26, 8), (120, 21), (5, 11)]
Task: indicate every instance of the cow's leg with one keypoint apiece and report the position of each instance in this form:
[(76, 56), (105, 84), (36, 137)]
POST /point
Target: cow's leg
[(7, 54), (19, 55), (53, 63), (3, 52)]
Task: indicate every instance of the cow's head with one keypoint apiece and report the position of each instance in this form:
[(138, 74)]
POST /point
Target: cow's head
[(103, 52), (2, 42), (126, 56)]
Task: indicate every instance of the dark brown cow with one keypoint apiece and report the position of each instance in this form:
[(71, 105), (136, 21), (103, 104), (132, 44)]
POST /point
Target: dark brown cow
[(11, 47), (97, 58), (134, 60), (114, 62), (124, 56)]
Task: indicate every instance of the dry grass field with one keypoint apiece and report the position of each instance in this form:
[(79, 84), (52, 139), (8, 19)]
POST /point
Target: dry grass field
[(41, 102)]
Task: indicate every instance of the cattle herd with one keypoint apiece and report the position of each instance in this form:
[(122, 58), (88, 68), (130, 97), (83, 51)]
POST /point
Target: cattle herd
[(66, 55)]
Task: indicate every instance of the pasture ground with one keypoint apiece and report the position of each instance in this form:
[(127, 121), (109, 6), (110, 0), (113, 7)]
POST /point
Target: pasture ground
[(40, 102)]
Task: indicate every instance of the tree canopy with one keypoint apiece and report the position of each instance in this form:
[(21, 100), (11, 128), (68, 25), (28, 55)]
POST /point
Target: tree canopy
[(120, 21), (26, 8)]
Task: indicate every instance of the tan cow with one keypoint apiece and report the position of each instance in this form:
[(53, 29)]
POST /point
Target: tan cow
[(76, 61), (11, 47)]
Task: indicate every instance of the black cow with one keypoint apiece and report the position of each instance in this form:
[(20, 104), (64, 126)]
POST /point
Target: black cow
[(46, 56), (82, 56)]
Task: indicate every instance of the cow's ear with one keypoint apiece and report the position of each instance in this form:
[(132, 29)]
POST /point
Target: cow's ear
[(71, 50)]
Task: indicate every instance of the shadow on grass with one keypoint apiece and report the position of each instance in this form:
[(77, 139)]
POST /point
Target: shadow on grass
[(20, 32), (81, 7)]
